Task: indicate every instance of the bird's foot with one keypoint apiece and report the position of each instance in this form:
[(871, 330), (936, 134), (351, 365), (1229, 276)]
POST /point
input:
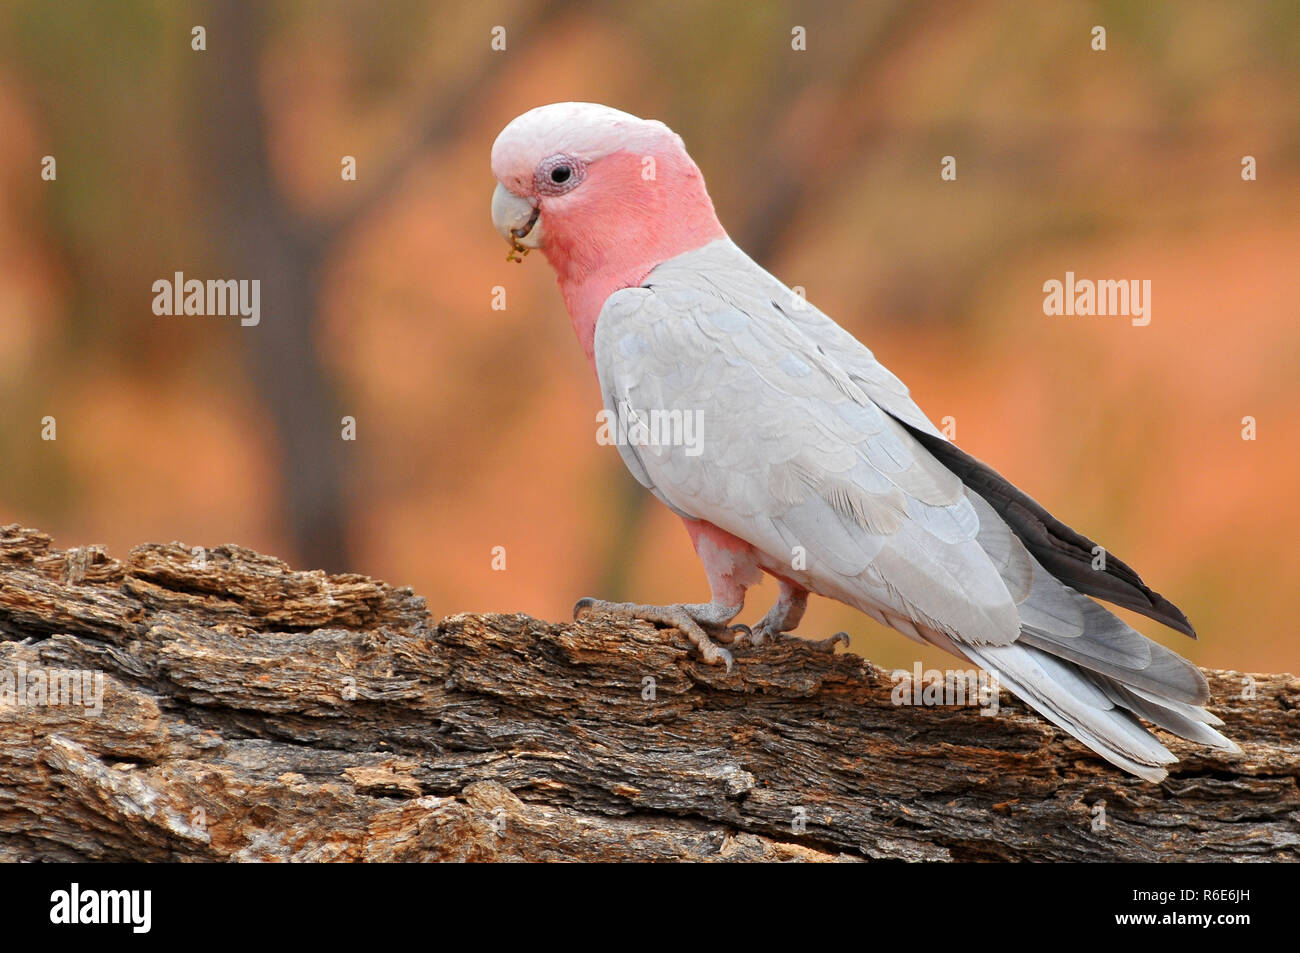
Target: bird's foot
[(766, 630), (690, 618), (828, 644)]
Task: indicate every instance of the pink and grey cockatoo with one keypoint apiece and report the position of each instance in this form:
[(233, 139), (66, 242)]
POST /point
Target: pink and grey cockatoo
[(815, 466)]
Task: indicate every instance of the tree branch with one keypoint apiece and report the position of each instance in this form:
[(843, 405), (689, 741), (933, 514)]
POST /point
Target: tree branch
[(252, 712)]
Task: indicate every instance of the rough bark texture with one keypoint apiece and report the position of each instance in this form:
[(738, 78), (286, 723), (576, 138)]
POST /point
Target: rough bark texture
[(251, 712)]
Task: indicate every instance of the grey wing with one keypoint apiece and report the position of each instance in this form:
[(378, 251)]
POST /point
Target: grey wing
[(618, 415), (798, 461), (1066, 553)]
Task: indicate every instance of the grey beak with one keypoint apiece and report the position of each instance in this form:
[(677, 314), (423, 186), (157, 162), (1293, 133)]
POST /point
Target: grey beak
[(516, 218)]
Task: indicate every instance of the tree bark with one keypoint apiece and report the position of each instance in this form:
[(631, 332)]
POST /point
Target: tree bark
[(251, 712)]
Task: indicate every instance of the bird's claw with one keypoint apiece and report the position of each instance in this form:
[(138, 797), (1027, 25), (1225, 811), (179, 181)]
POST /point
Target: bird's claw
[(712, 653), (828, 644), (735, 634), (690, 619), (763, 633)]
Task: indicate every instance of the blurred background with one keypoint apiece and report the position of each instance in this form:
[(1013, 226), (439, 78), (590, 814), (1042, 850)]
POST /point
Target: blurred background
[(475, 427)]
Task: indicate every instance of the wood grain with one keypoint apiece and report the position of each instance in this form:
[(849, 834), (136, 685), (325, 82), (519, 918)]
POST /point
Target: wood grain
[(252, 712)]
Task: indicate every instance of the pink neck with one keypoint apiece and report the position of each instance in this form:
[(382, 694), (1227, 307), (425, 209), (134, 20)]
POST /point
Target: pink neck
[(640, 224)]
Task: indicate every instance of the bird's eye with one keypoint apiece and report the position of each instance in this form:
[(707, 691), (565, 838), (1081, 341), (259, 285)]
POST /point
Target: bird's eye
[(558, 174)]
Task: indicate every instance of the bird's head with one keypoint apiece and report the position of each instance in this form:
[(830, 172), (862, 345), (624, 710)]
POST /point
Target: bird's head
[(605, 195)]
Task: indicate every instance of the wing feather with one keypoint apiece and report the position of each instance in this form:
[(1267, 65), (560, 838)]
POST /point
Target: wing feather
[(795, 454)]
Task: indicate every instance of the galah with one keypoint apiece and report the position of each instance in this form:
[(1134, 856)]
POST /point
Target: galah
[(814, 464)]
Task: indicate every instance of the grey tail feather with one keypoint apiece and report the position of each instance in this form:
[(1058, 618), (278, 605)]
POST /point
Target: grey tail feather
[(1111, 647), (1135, 673), (1186, 721), (1065, 695)]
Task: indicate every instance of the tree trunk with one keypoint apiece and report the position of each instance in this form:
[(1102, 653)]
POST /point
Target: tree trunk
[(250, 712)]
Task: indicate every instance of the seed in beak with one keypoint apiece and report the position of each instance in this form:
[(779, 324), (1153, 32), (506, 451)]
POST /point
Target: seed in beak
[(517, 251)]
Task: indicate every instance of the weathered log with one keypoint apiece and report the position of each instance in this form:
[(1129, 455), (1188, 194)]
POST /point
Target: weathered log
[(251, 712)]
